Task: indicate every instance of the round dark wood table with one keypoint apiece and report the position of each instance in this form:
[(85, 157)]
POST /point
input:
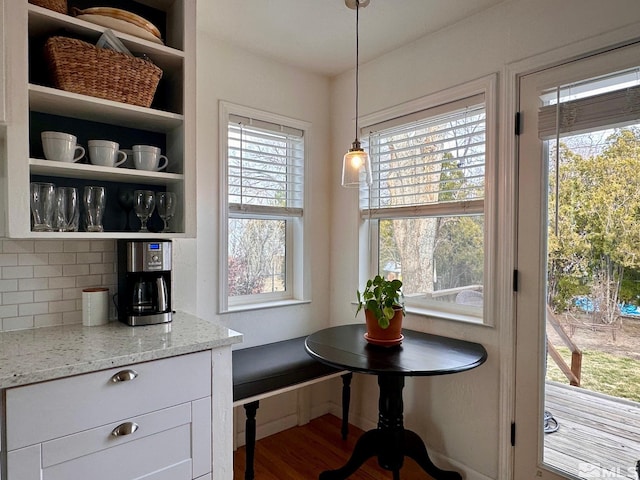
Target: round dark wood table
[(419, 354)]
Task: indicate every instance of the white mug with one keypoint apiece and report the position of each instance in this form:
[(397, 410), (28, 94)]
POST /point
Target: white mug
[(105, 153), (147, 157), (61, 147)]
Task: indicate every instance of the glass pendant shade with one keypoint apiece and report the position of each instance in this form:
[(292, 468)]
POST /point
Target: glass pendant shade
[(356, 167)]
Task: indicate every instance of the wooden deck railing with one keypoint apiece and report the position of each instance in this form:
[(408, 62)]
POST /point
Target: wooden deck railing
[(452, 291), (573, 372)]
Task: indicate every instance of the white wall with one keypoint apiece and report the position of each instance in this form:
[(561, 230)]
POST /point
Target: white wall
[(459, 416), (226, 73)]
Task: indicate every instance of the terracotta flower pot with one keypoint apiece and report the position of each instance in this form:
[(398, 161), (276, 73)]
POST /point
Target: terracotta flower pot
[(392, 335)]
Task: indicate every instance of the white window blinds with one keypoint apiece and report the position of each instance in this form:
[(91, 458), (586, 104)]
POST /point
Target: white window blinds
[(265, 167), (432, 163), (593, 110)]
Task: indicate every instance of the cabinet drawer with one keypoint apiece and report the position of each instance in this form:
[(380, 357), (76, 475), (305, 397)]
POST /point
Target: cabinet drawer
[(40, 412), (91, 441), (170, 449), (182, 471)]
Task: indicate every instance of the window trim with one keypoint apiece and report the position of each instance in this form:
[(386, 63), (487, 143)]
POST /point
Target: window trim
[(368, 253), (297, 228)]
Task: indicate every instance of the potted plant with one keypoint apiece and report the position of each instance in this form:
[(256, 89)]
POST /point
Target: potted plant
[(383, 307)]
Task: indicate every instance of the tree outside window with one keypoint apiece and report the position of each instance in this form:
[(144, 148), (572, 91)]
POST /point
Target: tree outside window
[(264, 185), (426, 205)]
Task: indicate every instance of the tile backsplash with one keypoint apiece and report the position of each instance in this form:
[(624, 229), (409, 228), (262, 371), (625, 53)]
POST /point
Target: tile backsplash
[(41, 281)]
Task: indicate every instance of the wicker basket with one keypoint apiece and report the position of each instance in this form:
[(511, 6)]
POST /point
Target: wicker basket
[(59, 6), (80, 67)]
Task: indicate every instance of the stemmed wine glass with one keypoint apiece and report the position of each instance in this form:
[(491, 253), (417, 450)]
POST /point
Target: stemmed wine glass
[(125, 200), (166, 205), (143, 202)]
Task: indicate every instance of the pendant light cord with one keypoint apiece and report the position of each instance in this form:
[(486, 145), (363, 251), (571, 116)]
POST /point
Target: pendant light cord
[(357, 61)]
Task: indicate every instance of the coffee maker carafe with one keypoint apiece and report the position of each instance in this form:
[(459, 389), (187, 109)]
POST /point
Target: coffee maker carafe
[(144, 282)]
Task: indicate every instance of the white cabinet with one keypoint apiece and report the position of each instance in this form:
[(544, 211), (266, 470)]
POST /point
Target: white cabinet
[(33, 106), (147, 421)]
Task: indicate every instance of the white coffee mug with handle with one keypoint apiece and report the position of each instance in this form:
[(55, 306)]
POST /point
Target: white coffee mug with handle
[(105, 153), (61, 147), (148, 157)]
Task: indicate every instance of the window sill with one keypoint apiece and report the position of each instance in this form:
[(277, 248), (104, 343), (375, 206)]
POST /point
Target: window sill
[(263, 305), (434, 313)]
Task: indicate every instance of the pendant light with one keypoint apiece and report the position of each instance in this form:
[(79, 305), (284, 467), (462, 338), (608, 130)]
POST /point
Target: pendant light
[(356, 166)]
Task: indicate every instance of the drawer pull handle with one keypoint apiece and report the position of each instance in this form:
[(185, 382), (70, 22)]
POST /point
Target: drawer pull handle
[(124, 376), (123, 429)]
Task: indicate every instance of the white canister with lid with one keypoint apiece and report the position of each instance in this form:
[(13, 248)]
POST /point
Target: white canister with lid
[(95, 306)]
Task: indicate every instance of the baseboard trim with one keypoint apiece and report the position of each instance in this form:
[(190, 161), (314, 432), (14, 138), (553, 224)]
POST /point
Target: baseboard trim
[(269, 428), (278, 425)]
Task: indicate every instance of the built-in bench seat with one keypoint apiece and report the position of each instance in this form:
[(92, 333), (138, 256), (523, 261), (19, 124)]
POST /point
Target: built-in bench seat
[(274, 368)]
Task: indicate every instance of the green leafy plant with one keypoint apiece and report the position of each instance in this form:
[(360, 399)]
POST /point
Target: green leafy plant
[(382, 297)]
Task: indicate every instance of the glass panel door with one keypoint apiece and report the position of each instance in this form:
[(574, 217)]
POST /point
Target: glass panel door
[(577, 414)]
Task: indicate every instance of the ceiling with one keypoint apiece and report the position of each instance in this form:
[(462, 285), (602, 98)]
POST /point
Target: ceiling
[(319, 35)]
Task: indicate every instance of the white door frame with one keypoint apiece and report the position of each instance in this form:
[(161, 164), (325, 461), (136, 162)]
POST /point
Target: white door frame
[(526, 424)]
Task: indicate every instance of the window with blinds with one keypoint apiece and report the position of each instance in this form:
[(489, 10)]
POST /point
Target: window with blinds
[(432, 164), (264, 180), (607, 102), (425, 211), (265, 167), (591, 136)]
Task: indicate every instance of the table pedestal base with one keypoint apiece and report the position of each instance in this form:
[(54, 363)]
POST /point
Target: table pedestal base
[(390, 442)]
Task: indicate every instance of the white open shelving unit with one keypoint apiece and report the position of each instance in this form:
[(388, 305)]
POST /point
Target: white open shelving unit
[(173, 121)]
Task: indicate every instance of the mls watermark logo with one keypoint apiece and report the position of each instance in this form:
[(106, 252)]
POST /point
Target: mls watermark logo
[(596, 470)]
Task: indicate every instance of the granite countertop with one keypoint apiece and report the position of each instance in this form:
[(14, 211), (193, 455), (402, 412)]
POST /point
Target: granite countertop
[(29, 356)]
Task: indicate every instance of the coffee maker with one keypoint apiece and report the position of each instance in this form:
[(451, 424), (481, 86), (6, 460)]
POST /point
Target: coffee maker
[(144, 281)]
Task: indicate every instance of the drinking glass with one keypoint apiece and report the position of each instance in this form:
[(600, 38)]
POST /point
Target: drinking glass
[(143, 202), (42, 203), (67, 210), (166, 205), (94, 203)]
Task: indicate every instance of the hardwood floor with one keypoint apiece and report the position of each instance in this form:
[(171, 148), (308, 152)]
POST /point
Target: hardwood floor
[(593, 429), (301, 453)]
